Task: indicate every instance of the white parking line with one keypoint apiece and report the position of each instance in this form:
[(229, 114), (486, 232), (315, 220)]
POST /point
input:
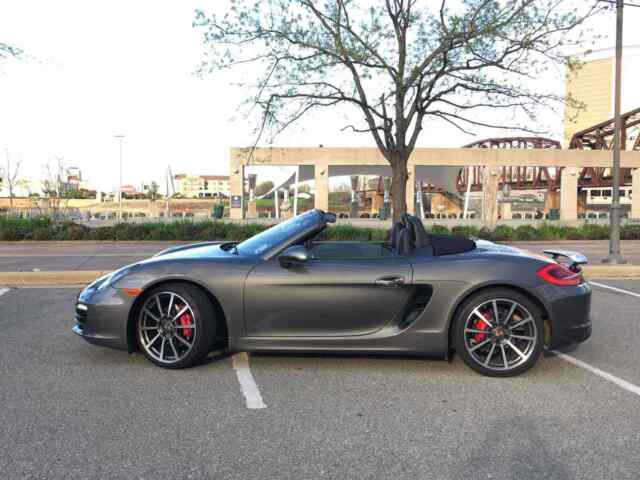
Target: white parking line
[(629, 387), (3, 291), (615, 289), (250, 390)]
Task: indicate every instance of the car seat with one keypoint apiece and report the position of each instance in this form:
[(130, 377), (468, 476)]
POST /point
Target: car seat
[(440, 245), (401, 241)]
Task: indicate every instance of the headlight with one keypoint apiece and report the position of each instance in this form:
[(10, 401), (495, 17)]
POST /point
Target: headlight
[(97, 284), (113, 278)]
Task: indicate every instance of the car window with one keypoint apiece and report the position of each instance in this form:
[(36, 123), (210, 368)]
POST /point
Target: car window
[(264, 241)]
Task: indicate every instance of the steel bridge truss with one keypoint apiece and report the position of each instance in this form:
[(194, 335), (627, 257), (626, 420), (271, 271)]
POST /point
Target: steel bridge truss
[(598, 137)]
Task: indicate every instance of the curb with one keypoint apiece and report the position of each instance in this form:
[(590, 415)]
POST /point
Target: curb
[(612, 271), (49, 278), (84, 277)]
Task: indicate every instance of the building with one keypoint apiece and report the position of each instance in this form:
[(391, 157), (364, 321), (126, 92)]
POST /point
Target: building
[(593, 84), (202, 186), (129, 191), (70, 180)]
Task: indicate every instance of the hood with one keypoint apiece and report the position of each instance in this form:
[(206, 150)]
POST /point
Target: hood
[(182, 248), (194, 251)]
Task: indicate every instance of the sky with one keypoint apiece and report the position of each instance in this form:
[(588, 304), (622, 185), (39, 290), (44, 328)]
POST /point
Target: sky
[(101, 68)]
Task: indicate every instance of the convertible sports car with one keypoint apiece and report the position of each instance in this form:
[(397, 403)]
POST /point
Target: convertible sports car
[(284, 290)]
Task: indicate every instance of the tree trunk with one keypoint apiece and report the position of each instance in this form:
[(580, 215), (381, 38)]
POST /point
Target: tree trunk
[(399, 187)]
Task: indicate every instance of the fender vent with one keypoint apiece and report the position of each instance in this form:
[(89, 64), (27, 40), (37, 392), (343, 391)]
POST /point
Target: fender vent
[(416, 305)]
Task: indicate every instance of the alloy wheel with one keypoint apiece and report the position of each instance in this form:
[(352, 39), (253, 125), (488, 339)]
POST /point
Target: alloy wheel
[(500, 334), (167, 327)]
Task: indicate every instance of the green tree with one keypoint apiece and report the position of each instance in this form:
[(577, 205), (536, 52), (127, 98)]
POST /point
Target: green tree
[(263, 188), (152, 194), (397, 62)]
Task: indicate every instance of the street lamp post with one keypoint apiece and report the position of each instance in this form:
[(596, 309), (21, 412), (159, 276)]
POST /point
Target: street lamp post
[(614, 240), (120, 138)]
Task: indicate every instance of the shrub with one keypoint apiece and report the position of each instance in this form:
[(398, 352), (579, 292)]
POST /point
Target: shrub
[(439, 229), (43, 228), (465, 230), (595, 232), (630, 232), (526, 233), (503, 233)]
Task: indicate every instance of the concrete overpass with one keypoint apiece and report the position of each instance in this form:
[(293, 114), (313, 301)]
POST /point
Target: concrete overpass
[(327, 162)]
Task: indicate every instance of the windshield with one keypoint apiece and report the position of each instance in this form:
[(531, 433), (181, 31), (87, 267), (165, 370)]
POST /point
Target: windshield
[(264, 241)]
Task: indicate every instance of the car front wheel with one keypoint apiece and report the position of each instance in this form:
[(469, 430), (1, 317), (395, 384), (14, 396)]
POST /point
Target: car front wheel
[(176, 326), (499, 333)]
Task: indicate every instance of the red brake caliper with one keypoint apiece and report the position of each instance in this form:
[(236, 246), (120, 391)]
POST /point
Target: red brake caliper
[(186, 319), (480, 325)]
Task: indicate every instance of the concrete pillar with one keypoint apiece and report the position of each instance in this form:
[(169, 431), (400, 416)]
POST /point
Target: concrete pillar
[(411, 189), (569, 194), (321, 199), (506, 211), (354, 207), (252, 207), (285, 206), (490, 180), (635, 193), (236, 190)]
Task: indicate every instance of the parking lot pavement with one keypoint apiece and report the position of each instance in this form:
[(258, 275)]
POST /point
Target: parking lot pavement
[(72, 410)]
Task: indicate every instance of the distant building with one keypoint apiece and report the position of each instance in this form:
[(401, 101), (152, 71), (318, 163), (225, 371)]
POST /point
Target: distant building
[(129, 190), (593, 85), (72, 180), (202, 186)]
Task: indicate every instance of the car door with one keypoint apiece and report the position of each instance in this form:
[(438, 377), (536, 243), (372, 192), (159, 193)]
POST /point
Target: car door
[(325, 297)]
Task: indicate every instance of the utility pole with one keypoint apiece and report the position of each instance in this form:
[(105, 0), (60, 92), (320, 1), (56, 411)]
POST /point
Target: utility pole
[(614, 241), (120, 138)]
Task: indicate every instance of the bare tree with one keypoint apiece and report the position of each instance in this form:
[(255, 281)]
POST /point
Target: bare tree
[(53, 187), (398, 63), (9, 175), (8, 51)]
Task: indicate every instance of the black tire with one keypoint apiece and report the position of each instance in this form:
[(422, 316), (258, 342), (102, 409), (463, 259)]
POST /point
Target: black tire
[(464, 341), (203, 334)]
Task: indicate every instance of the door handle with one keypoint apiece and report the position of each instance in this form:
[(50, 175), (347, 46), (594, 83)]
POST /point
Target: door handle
[(390, 281)]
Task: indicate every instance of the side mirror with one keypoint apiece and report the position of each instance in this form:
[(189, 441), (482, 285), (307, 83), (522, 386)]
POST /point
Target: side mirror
[(293, 255)]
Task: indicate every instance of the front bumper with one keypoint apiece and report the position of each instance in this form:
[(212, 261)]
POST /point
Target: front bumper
[(101, 317), (569, 310)]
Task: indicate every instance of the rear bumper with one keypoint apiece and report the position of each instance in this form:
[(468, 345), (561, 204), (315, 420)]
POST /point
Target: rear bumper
[(569, 310)]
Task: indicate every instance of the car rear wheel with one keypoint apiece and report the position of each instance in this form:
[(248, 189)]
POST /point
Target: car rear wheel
[(499, 333), (176, 326)]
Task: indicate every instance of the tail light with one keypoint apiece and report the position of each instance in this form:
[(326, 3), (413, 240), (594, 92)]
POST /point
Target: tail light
[(558, 274)]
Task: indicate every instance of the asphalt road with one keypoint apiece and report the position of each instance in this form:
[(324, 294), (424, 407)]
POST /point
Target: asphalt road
[(43, 256), (72, 410), (71, 256)]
